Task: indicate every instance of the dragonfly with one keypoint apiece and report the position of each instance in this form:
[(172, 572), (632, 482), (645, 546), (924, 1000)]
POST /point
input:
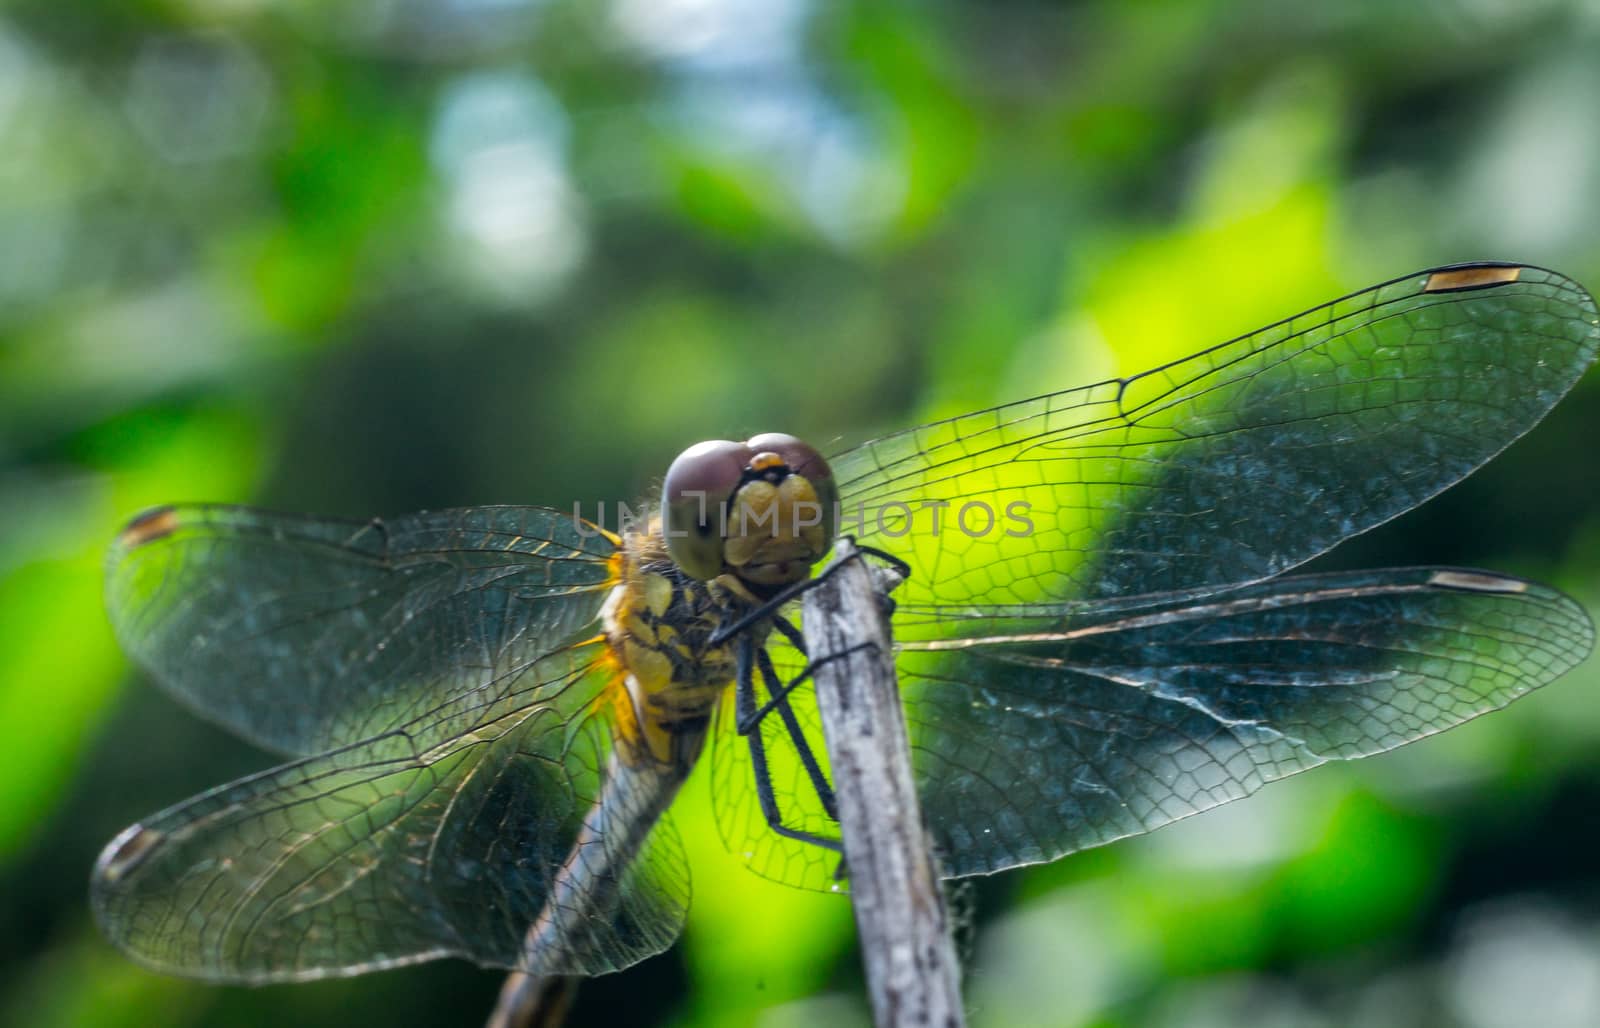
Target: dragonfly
[(487, 712)]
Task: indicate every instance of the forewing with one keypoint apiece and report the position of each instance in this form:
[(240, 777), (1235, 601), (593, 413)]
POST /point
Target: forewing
[(1037, 735), (1231, 465), (388, 852), (304, 634)]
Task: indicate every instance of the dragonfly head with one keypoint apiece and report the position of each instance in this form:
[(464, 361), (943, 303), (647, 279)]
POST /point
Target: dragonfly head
[(764, 510)]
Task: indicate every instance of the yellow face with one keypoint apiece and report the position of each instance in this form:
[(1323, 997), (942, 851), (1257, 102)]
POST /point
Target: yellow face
[(764, 510)]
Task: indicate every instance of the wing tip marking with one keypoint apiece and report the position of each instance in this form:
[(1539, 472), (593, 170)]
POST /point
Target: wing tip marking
[(1477, 582), (126, 852), (1477, 276), (153, 524)]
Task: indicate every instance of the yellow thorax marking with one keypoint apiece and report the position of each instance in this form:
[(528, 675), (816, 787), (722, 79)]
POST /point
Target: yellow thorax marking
[(657, 623)]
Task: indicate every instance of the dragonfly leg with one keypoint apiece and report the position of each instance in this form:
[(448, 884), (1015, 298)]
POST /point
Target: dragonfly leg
[(773, 605), (746, 711), (780, 698), (780, 701), (748, 719), (780, 694)]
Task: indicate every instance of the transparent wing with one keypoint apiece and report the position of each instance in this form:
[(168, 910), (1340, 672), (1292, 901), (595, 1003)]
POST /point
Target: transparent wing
[(740, 819), (304, 634), (522, 841), (1231, 465), (1039, 733)]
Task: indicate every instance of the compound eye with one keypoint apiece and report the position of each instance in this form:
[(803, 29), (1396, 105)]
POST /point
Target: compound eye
[(797, 454), (693, 501), (803, 460)]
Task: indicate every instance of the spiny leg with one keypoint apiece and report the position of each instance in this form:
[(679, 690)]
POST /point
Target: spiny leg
[(748, 715), (771, 607), (779, 692), (749, 719), (780, 701)]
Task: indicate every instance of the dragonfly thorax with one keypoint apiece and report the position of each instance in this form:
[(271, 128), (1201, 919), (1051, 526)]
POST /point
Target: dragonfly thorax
[(659, 622)]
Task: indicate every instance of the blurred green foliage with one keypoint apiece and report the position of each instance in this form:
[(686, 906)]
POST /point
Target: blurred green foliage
[(370, 257)]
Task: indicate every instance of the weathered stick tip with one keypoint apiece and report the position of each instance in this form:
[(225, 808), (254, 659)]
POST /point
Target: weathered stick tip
[(911, 967)]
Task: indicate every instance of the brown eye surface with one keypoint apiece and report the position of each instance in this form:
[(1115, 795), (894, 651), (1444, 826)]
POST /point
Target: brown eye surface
[(697, 485), (803, 460), (796, 453)]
